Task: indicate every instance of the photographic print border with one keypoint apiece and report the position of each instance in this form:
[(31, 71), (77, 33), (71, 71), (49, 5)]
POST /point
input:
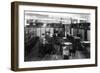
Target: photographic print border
[(15, 34)]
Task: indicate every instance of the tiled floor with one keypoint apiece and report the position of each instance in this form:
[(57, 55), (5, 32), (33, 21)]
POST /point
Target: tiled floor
[(78, 55)]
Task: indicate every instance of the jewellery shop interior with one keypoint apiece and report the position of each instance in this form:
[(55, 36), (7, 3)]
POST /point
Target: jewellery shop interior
[(52, 36)]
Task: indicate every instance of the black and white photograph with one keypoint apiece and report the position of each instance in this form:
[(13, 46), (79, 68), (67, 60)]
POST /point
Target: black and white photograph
[(56, 35), (53, 36)]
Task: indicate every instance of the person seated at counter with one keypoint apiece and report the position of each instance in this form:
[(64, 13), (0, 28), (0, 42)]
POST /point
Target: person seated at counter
[(49, 44), (46, 46)]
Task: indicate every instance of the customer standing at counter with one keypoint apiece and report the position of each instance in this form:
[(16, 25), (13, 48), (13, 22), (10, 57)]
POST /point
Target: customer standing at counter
[(74, 46)]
